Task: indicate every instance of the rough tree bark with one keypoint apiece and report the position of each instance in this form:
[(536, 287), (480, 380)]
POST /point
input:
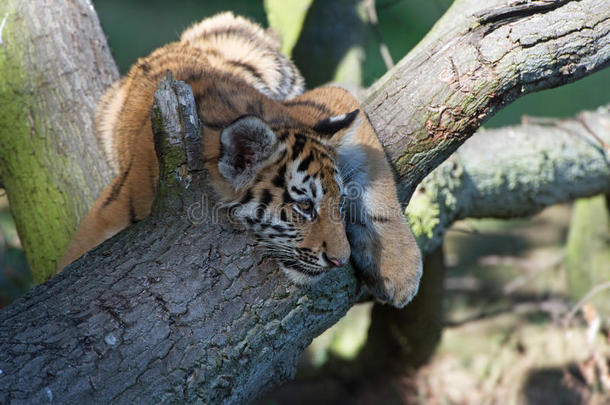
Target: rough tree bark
[(474, 61), (169, 311), (54, 66), (514, 172)]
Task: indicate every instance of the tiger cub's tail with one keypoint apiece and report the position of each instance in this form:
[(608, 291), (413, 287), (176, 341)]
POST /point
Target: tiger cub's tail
[(237, 45)]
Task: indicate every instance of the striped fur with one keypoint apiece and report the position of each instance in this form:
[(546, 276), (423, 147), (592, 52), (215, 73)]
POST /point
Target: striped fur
[(302, 172)]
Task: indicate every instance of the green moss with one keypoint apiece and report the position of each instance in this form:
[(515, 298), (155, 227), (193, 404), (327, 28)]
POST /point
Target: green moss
[(36, 203), (173, 156), (423, 214), (172, 159)]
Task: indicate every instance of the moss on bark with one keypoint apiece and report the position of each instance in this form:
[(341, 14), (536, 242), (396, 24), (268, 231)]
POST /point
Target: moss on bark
[(51, 166)]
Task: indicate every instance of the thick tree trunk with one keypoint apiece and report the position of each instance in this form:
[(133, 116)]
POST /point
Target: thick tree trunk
[(54, 66), (178, 308)]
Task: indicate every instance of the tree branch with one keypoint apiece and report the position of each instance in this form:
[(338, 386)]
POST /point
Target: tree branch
[(182, 308), (466, 70), (514, 172)]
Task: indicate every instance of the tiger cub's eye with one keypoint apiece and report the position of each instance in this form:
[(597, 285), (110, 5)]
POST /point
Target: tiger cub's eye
[(305, 209), (306, 206)]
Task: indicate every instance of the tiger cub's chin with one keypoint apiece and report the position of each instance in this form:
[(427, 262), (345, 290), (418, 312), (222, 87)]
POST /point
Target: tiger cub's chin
[(299, 277)]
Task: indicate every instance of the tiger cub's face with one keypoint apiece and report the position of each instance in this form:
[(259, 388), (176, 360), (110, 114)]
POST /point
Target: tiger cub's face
[(290, 195)]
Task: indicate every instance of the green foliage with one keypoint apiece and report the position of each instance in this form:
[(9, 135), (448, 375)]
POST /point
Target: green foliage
[(588, 249), (137, 27), (287, 18)]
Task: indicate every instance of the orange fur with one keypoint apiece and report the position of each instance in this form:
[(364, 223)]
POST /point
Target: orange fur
[(235, 70)]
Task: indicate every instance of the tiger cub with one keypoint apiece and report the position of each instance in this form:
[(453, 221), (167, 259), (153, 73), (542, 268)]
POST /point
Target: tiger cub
[(304, 173)]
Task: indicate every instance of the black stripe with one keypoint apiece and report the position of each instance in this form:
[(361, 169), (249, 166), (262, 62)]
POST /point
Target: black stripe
[(280, 180), (246, 198), (214, 94), (329, 127), (283, 136), (220, 95), (238, 32), (313, 190), (215, 125), (248, 68), (299, 144), (298, 191), (266, 197), (308, 103), (376, 218), (132, 210), (144, 66), (190, 75), (116, 188), (304, 165), (287, 198), (250, 110)]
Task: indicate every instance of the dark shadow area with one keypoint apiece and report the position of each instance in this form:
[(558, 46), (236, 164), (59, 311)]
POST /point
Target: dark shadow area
[(329, 31), (15, 275), (549, 386), (335, 390)]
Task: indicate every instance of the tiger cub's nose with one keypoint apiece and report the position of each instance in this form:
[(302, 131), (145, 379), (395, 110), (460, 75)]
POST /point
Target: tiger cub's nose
[(336, 262)]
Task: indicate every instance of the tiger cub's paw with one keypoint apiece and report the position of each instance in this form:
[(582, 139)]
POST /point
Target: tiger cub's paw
[(389, 261)]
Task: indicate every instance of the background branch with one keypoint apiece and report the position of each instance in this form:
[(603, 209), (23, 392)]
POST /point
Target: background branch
[(514, 172)]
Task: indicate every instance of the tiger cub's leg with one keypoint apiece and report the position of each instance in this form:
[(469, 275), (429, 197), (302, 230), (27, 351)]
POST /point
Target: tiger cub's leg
[(383, 248), (113, 211)]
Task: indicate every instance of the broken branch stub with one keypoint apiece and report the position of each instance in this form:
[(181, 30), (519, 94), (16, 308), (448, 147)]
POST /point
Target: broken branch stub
[(177, 136)]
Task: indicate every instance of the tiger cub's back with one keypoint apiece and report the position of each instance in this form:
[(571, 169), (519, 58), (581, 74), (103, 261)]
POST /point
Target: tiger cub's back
[(226, 44)]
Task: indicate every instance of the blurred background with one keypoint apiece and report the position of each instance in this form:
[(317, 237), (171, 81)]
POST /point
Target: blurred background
[(507, 282)]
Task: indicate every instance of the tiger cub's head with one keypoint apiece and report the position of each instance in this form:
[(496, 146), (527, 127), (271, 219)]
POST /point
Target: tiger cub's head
[(289, 192)]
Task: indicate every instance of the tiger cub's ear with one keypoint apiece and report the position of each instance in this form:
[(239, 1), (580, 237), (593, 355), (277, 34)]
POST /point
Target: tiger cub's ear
[(331, 125), (244, 146)]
